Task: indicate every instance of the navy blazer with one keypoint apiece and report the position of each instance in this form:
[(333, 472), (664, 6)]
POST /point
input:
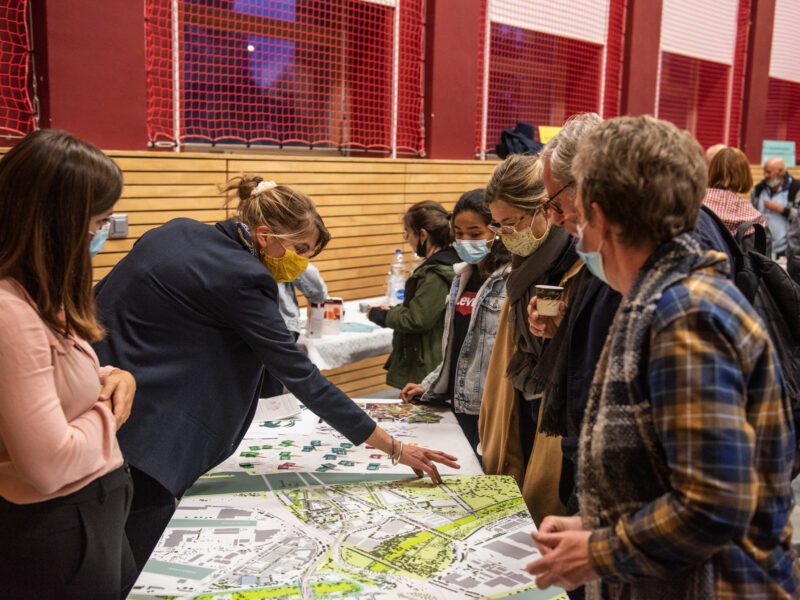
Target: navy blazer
[(194, 316)]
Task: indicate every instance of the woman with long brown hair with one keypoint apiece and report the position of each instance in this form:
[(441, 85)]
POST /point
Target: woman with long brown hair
[(64, 493)]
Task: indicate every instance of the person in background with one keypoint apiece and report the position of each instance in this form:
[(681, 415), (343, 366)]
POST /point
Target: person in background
[(470, 322), (192, 310), (311, 284), (687, 443), (418, 322), (711, 152), (64, 492), (510, 408), (777, 197), (728, 176)]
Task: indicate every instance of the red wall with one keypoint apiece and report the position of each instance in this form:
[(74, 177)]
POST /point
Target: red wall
[(640, 56), (90, 63), (756, 82), (451, 77)]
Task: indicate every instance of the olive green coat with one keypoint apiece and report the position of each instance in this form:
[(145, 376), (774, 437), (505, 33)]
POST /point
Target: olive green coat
[(418, 323)]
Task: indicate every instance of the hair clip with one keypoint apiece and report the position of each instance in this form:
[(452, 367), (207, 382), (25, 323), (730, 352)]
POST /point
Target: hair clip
[(263, 186)]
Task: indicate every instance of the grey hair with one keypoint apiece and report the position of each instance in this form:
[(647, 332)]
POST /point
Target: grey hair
[(648, 177), (562, 148)]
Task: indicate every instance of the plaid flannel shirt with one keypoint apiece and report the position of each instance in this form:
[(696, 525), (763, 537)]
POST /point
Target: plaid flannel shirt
[(725, 426), (732, 209)]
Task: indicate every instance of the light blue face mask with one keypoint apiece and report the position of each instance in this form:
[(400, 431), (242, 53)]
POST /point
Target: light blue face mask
[(592, 260), (472, 251), (99, 239)]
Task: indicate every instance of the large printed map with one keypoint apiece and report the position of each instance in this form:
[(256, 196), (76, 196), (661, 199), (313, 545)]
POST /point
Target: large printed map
[(326, 535), (302, 444)]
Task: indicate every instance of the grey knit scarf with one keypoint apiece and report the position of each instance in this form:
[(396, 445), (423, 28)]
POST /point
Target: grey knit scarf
[(621, 466)]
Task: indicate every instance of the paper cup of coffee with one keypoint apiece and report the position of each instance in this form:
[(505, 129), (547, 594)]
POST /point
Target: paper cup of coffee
[(547, 299)]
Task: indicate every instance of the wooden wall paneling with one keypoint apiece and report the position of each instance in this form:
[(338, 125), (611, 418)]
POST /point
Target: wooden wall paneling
[(361, 364), (758, 172), (158, 188), (358, 371)]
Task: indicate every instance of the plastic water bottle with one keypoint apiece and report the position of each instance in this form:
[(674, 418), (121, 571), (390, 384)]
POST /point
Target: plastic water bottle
[(397, 279)]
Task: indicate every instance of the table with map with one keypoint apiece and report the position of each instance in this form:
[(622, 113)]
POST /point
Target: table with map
[(324, 528)]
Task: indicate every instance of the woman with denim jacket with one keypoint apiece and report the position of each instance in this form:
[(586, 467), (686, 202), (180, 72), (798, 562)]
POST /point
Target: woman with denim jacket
[(470, 322)]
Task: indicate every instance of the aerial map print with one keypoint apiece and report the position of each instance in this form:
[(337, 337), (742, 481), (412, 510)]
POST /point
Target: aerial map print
[(301, 443), (327, 535)]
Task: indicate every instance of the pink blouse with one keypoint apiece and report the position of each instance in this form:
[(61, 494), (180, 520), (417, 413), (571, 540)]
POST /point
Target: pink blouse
[(55, 437)]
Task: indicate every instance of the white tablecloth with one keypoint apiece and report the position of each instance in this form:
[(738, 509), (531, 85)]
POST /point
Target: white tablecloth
[(310, 442), (333, 351)]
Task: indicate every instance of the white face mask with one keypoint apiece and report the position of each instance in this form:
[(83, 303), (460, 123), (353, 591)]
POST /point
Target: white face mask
[(524, 243)]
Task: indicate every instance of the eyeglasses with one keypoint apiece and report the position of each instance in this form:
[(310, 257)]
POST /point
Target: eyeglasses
[(498, 229), (549, 204)]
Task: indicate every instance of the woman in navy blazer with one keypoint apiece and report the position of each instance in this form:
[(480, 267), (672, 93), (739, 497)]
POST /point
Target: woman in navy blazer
[(192, 312)]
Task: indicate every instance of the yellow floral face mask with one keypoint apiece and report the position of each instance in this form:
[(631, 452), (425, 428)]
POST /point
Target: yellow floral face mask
[(286, 268)]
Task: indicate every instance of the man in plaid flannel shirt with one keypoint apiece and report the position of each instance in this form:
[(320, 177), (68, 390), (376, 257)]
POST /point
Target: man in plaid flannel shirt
[(687, 443)]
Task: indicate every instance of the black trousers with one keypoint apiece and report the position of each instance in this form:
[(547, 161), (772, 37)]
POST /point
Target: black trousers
[(152, 508), (469, 425), (73, 547)]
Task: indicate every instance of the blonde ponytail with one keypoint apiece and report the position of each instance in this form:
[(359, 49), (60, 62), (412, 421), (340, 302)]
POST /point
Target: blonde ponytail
[(287, 212)]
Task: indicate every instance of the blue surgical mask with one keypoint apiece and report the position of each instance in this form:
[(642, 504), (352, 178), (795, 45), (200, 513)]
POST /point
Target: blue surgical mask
[(592, 260), (472, 251), (98, 239)]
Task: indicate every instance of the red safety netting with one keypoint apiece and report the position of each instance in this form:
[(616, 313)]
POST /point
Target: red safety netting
[(694, 95), (702, 73), (304, 72), (16, 109), (782, 120), (545, 64)]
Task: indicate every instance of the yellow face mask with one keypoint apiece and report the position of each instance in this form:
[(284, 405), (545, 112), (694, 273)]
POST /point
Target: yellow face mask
[(286, 268)]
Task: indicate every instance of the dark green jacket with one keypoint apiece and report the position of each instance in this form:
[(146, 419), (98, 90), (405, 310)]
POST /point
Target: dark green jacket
[(418, 323)]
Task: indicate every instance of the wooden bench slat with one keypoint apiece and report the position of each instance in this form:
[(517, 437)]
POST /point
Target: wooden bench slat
[(176, 162)]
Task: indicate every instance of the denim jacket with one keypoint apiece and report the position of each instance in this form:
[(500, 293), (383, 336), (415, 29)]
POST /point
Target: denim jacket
[(309, 282), (473, 360)]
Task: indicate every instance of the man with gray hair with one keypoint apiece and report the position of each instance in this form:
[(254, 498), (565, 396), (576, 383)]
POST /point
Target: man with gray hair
[(556, 159), (580, 330), (777, 197)]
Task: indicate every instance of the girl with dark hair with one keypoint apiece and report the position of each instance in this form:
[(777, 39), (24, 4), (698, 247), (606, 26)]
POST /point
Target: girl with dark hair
[(64, 492), (471, 317), (418, 322)]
